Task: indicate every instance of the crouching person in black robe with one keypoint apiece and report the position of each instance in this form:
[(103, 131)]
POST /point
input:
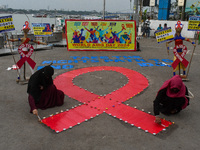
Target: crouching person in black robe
[(171, 98), (42, 92)]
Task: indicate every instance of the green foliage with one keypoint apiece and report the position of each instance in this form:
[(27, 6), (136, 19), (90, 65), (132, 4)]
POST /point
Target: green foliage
[(144, 15)]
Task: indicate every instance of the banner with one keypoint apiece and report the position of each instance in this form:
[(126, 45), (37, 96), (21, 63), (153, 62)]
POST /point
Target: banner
[(164, 35), (192, 7), (153, 3), (6, 24), (42, 29), (101, 35), (194, 23), (181, 2)]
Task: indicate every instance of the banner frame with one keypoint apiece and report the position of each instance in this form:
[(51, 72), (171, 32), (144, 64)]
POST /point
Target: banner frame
[(49, 35), (122, 50), (8, 30)]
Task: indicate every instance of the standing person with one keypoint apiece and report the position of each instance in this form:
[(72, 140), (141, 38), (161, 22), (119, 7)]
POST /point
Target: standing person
[(63, 29), (26, 50), (147, 27), (52, 27), (198, 37), (171, 98), (42, 92), (179, 41)]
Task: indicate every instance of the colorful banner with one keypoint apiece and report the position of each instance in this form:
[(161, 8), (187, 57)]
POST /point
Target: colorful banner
[(194, 23), (192, 7), (42, 29), (6, 24), (164, 35), (101, 35)]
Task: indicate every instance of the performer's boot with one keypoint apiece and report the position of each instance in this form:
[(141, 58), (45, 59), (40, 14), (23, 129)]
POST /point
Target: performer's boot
[(183, 76), (18, 79)]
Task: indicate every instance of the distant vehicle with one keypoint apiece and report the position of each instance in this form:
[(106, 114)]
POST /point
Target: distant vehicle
[(56, 16), (39, 15)]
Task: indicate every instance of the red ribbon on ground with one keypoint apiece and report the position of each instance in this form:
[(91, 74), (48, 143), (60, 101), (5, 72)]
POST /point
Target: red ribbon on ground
[(112, 104), (26, 55), (180, 57)]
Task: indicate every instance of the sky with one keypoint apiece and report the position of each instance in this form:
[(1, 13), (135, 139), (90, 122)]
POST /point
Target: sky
[(78, 5)]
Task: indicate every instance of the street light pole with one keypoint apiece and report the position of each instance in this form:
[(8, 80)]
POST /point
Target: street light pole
[(135, 12), (135, 9), (183, 11), (104, 5)]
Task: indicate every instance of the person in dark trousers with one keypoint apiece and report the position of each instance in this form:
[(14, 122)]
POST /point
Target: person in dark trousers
[(146, 27), (171, 98), (42, 92), (52, 27)]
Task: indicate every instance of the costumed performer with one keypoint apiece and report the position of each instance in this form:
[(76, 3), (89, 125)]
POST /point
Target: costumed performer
[(171, 98), (179, 41), (25, 40), (42, 92)]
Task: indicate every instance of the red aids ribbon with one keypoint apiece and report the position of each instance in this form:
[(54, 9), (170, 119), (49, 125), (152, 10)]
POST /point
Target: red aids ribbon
[(26, 55), (26, 26), (123, 27), (178, 25), (112, 104), (48, 27), (180, 57)]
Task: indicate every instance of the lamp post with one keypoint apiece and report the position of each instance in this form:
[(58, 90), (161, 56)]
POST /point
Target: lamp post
[(135, 9), (183, 11), (104, 5)]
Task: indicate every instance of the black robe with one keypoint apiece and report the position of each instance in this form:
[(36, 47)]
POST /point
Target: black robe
[(47, 97), (165, 104)]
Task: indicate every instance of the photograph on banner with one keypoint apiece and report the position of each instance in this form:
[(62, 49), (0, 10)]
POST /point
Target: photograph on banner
[(6, 24), (100, 35), (192, 7), (194, 23), (164, 35), (42, 29)]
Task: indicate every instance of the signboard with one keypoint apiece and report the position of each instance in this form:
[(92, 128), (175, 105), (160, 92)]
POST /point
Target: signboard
[(6, 24), (181, 2), (101, 35), (164, 35), (42, 29), (153, 3), (194, 23), (146, 2), (193, 7), (26, 50)]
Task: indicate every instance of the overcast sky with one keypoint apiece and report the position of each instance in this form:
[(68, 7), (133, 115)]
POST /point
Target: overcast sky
[(111, 5)]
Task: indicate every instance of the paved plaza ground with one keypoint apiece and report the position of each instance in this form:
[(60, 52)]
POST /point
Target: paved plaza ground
[(20, 130)]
